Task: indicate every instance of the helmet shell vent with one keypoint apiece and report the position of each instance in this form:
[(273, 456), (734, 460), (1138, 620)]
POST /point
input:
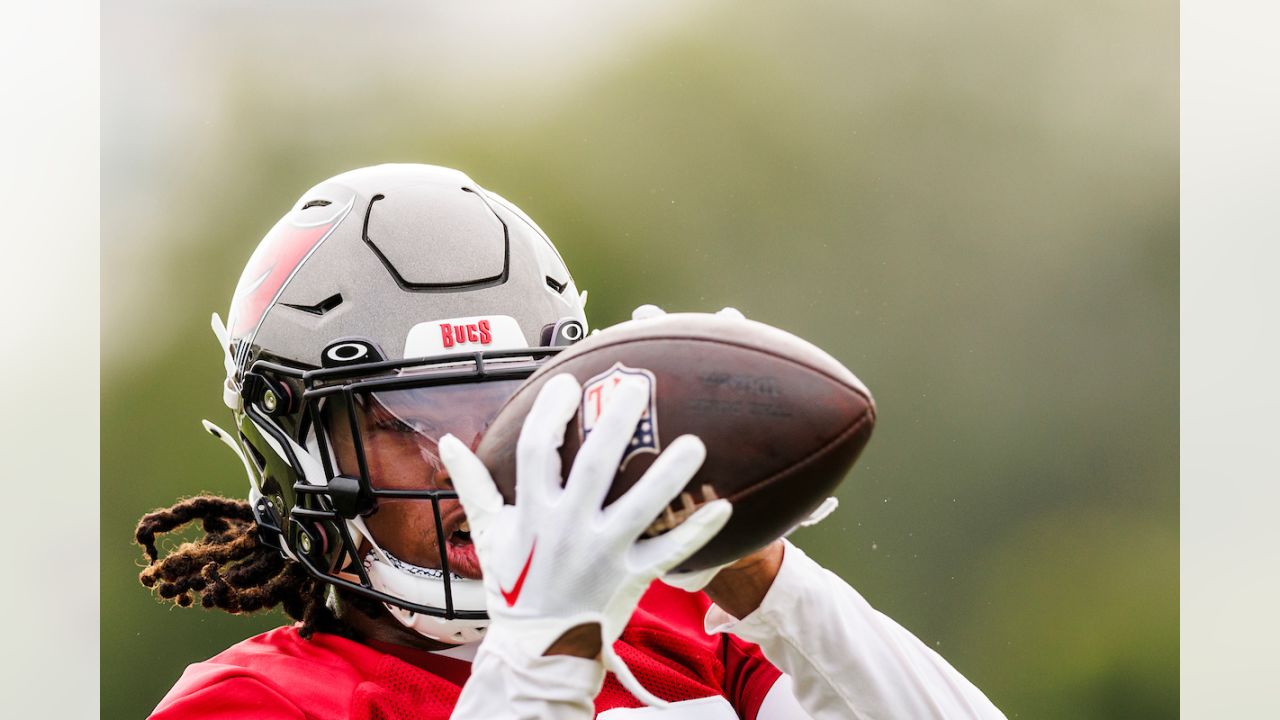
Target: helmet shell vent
[(319, 308), (437, 237)]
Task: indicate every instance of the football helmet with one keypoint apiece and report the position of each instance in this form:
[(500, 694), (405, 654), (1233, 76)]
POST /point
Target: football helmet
[(391, 305)]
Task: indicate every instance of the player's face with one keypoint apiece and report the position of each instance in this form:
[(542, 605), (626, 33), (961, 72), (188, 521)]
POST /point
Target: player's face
[(399, 430)]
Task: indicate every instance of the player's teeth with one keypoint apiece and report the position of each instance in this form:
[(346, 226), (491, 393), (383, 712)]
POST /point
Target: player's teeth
[(465, 526)]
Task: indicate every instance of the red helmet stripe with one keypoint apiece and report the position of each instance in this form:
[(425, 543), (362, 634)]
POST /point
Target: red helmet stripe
[(271, 266)]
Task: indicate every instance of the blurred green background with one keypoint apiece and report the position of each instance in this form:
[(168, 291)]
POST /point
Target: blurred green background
[(973, 206)]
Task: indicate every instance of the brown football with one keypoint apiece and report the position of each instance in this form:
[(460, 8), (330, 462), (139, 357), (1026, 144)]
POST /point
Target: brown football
[(782, 421)]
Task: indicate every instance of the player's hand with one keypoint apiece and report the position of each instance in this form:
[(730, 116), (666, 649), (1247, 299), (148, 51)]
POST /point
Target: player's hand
[(556, 560)]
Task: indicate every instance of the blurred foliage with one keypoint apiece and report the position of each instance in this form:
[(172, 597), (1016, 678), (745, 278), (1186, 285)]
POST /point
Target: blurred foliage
[(973, 207)]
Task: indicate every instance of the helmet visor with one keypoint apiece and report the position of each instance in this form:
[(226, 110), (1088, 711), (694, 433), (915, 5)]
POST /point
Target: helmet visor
[(391, 436)]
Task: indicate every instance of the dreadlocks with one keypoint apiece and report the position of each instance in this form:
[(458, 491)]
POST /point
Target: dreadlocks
[(228, 568)]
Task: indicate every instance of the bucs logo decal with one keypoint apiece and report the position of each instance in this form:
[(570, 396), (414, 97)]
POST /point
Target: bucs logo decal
[(273, 264), (467, 334), (595, 396), (477, 333)]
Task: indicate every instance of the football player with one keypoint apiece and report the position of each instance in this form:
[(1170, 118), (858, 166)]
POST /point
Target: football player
[(375, 331)]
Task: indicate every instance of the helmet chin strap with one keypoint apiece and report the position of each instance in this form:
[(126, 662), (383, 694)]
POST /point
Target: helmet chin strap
[(422, 586)]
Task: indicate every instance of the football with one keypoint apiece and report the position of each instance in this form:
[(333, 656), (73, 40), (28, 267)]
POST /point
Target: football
[(782, 421)]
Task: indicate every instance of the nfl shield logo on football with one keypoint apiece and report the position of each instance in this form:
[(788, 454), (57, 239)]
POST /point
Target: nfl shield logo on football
[(595, 397)]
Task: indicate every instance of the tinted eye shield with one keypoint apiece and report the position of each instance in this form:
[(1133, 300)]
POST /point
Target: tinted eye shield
[(398, 431), (415, 393)]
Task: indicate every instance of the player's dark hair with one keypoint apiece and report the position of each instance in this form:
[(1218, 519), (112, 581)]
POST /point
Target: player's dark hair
[(229, 568)]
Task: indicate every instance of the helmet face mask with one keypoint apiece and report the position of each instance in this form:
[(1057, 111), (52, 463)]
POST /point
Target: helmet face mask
[(356, 520), (364, 356)]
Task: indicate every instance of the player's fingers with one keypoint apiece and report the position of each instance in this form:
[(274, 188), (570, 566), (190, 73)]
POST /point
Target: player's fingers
[(476, 491), (538, 449), (645, 312), (658, 555), (596, 463), (668, 475), (733, 313)]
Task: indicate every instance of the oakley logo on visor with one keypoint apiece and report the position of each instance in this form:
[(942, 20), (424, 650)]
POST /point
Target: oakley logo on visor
[(456, 335)]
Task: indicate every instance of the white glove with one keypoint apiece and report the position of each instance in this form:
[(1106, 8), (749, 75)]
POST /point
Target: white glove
[(556, 559)]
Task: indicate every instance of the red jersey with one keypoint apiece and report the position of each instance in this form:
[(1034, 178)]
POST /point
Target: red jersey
[(278, 675)]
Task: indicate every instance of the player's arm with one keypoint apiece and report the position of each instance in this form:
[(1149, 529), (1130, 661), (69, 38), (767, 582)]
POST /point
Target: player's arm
[(842, 658), (562, 574)]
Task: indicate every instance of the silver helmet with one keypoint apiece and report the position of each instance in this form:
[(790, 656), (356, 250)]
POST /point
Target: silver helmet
[(403, 297)]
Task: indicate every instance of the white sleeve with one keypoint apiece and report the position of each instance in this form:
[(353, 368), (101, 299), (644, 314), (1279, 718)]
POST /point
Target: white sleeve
[(845, 659), (780, 703), (507, 684)]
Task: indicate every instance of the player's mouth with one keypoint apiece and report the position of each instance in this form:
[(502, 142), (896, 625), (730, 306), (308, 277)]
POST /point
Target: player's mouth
[(462, 552)]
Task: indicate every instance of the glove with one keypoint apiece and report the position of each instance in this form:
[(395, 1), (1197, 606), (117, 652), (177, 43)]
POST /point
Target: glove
[(556, 559)]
